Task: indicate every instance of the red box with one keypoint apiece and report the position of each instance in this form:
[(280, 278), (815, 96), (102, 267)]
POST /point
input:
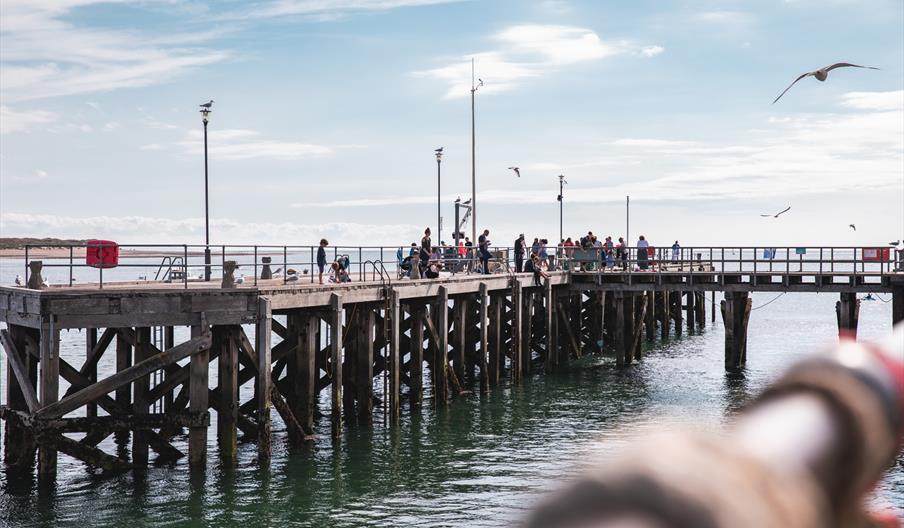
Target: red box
[(880, 254), (102, 254)]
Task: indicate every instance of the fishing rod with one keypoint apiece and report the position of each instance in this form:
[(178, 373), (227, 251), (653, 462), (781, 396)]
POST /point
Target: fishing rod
[(804, 454)]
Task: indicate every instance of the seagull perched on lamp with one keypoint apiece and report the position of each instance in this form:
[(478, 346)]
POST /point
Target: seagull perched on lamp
[(822, 74), (208, 104)]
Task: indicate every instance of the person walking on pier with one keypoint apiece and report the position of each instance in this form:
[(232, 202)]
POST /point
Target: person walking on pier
[(321, 258), (483, 246), (519, 253), (642, 253)]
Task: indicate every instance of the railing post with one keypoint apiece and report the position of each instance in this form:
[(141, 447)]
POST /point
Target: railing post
[(26, 263), (360, 262), (255, 265), (285, 264), (185, 265), (70, 265)]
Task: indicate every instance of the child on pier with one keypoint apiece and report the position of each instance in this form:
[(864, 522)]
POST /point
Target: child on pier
[(321, 257)]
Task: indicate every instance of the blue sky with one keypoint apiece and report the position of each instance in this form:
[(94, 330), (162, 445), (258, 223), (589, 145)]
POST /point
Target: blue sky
[(327, 112)]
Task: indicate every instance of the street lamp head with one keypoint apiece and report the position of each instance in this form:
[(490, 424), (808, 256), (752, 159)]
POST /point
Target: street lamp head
[(205, 113), (439, 153)]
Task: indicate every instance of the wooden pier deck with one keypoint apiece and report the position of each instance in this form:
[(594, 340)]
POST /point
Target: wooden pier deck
[(416, 340)]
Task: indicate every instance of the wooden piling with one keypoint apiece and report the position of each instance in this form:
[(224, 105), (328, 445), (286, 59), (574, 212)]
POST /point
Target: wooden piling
[(21, 395), (394, 366), (49, 392), (262, 387), (335, 322), (141, 386), (650, 319), (691, 310), (847, 313), (676, 310), (364, 374), (460, 311), (897, 305), (416, 355), (665, 321), (551, 327), (198, 398), (227, 379), (441, 348), (735, 315), (91, 370), (495, 354), (484, 336)]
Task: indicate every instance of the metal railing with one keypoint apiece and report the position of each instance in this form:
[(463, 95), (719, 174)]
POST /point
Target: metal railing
[(297, 263)]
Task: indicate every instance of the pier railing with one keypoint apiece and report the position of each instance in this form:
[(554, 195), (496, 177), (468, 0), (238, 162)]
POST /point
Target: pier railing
[(185, 263)]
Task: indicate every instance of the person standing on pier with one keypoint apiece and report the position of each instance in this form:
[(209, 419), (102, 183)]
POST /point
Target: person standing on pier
[(483, 246), (621, 253), (676, 252), (642, 253), (321, 258), (519, 253), (426, 248)]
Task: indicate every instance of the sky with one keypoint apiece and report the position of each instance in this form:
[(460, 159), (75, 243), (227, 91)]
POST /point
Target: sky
[(326, 115)]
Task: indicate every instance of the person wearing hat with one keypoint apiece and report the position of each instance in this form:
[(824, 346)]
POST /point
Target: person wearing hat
[(519, 253)]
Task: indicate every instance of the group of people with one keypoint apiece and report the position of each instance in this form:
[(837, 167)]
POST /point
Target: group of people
[(428, 260)]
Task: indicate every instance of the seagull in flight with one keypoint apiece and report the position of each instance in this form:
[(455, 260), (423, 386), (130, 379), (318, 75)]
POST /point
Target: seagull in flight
[(517, 171), (821, 74), (852, 226), (208, 104), (776, 215)]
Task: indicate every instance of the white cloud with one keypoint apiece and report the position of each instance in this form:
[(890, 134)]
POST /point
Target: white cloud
[(45, 56), (325, 10), (650, 142), (874, 100), (40, 174), (155, 230), (16, 121), (525, 51), (651, 51), (241, 144)]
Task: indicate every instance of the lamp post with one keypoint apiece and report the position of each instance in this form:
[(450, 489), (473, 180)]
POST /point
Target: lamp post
[(562, 183), (439, 224), (474, 88), (205, 117)]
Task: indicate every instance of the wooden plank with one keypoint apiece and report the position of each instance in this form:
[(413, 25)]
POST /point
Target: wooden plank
[(296, 431), (567, 327), (15, 361), (86, 453), (262, 337), (196, 345)]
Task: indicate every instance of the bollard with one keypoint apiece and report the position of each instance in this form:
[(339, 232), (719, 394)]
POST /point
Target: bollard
[(265, 272), (35, 280)]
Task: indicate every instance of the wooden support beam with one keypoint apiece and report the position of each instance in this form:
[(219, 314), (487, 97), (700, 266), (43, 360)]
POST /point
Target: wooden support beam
[(395, 316), (86, 453), (198, 388), (650, 318), (735, 315), (195, 346), (691, 310), (335, 322), (676, 311), (297, 433), (364, 373), (141, 405), (665, 321), (123, 362), (460, 311), (17, 363), (563, 317), (640, 314), (416, 353), (551, 330), (847, 314), (622, 299), (483, 336), (440, 366), (49, 393), (90, 366), (262, 336), (227, 379), (495, 343), (897, 305), (520, 339)]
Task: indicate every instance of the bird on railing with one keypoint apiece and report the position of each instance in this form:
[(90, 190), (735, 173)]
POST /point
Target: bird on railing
[(18, 281), (895, 243), (821, 74)]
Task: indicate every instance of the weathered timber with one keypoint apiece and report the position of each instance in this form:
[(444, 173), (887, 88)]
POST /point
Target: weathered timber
[(897, 305), (640, 314), (227, 378), (141, 405), (297, 433), (364, 380), (650, 319), (847, 313), (519, 348), (16, 361), (395, 315), (495, 355), (735, 314), (484, 336), (416, 355), (262, 385), (49, 394), (691, 310), (335, 322)]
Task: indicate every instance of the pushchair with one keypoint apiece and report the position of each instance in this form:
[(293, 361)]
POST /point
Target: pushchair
[(340, 269)]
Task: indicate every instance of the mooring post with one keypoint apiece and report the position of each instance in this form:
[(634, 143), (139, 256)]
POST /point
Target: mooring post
[(262, 348), (364, 381), (416, 355), (484, 340), (735, 315), (847, 313), (198, 398), (227, 379), (50, 392), (335, 322), (141, 386), (395, 316)]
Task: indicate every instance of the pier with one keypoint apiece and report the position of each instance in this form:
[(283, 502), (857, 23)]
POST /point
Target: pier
[(372, 345)]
